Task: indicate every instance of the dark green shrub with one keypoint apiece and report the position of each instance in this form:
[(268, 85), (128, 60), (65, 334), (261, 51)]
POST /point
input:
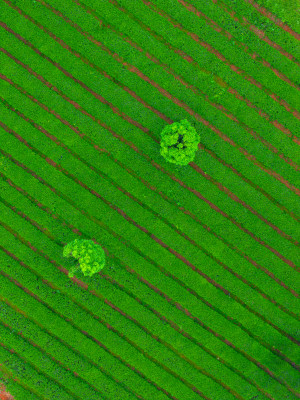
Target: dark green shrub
[(179, 142)]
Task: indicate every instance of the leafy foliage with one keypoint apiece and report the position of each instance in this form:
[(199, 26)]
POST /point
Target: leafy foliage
[(179, 142), (286, 10), (91, 256)]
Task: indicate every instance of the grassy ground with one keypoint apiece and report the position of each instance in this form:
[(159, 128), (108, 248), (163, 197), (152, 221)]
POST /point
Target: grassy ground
[(199, 295)]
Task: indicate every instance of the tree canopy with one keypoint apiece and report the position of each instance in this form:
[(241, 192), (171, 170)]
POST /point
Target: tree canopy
[(179, 142), (91, 256)]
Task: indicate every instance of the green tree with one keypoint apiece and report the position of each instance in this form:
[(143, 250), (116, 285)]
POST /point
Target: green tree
[(179, 142), (91, 256)]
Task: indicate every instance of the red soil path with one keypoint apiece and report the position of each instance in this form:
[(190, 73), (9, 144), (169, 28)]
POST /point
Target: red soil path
[(4, 395)]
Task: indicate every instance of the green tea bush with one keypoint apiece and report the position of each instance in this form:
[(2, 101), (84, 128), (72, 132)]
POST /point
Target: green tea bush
[(179, 142), (91, 256)]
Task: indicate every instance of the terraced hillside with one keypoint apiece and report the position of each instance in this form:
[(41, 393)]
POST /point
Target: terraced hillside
[(199, 298)]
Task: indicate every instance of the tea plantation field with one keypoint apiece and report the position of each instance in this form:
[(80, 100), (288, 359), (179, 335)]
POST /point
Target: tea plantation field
[(199, 296)]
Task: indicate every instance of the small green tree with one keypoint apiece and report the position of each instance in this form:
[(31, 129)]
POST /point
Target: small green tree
[(179, 142), (91, 256)]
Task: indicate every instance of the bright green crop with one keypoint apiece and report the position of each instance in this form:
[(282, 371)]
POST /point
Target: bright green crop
[(91, 256), (179, 142)]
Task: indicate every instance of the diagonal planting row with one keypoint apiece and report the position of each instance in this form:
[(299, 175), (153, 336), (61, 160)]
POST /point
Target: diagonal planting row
[(241, 39), (90, 351), (282, 233), (66, 307), (27, 362), (64, 223), (276, 242), (20, 389), (204, 250), (116, 198), (141, 37), (151, 210), (227, 113), (221, 49), (189, 249), (75, 230), (68, 11), (61, 303), (64, 33), (261, 20), (41, 359), (55, 348), (173, 37)]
